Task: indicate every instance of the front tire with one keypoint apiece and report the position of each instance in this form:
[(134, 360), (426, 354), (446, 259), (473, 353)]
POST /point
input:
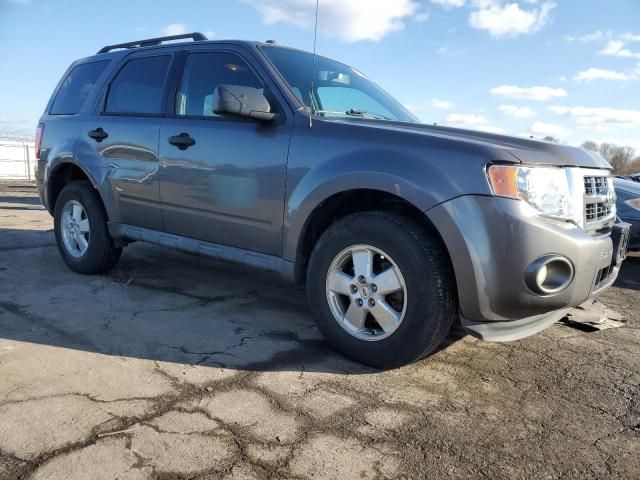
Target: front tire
[(381, 288), (80, 224)]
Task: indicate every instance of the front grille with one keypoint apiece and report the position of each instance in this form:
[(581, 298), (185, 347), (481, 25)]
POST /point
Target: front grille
[(597, 211), (594, 185), (599, 204), (602, 276)]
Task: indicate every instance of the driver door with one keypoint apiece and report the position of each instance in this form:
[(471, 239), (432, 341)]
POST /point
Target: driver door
[(228, 186)]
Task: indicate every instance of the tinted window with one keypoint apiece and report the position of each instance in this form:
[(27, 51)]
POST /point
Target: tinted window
[(138, 86), (203, 72), (76, 87)]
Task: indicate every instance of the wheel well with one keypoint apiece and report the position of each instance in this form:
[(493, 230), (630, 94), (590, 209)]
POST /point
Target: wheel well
[(63, 175), (346, 203)]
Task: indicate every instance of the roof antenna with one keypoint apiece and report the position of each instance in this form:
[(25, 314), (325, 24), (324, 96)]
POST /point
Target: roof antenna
[(313, 69)]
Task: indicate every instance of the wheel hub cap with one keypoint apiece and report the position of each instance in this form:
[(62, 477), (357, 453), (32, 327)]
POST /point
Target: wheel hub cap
[(75, 229), (366, 292)]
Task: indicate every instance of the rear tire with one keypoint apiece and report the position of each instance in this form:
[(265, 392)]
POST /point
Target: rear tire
[(80, 224), (354, 313)]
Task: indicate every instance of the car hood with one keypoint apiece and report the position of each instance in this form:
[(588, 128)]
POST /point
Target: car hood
[(627, 185), (525, 150)]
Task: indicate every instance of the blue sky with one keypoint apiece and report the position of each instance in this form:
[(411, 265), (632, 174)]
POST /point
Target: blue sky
[(566, 68)]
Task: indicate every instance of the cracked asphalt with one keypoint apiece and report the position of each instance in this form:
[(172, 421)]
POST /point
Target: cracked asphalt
[(174, 366)]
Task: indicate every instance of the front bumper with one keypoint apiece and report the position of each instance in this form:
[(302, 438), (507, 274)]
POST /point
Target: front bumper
[(492, 241)]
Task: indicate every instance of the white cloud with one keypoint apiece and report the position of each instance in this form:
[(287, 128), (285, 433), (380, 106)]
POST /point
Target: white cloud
[(348, 20), (542, 129), (508, 19), (447, 51), (210, 34), (617, 48), (467, 119), (490, 129), (472, 121), (516, 112), (442, 104), (449, 3), (528, 93), (425, 110), (417, 108), (601, 74), (603, 119), (586, 38), (630, 37), (174, 29)]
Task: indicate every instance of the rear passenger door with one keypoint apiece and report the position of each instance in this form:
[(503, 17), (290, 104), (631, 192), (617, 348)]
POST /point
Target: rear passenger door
[(124, 137), (228, 187)]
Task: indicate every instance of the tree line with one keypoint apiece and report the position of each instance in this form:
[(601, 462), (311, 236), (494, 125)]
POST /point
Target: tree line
[(623, 159)]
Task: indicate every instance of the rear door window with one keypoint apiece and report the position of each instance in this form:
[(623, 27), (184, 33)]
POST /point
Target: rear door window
[(76, 87), (138, 88)]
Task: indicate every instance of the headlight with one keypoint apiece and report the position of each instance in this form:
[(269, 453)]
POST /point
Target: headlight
[(546, 189), (634, 203)]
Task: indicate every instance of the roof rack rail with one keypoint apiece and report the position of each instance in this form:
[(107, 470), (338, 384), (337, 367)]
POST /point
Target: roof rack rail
[(195, 36)]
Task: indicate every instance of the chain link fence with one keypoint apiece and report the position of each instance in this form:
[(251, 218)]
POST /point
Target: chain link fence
[(17, 160)]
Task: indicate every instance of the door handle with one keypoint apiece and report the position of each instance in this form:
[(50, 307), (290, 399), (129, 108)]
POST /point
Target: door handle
[(98, 134), (182, 141)]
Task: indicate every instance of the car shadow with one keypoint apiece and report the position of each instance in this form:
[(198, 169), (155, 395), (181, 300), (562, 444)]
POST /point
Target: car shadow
[(629, 277), (21, 194), (162, 305)]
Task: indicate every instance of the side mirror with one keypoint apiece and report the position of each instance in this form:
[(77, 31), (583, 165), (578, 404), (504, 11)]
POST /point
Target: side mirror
[(242, 101)]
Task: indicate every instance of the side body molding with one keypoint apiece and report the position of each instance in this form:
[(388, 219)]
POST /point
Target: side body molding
[(227, 253)]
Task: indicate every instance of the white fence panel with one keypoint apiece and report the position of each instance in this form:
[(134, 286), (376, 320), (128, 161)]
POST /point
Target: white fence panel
[(17, 160)]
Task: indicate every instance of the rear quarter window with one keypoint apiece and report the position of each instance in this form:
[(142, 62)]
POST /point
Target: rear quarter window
[(76, 87)]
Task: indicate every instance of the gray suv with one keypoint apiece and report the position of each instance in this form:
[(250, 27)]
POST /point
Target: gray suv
[(264, 155)]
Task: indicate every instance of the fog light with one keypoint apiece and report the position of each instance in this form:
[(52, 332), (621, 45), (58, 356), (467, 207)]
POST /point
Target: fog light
[(549, 274), (541, 277)]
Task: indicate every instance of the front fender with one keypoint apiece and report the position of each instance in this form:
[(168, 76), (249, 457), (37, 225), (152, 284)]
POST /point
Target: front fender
[(317, 188), (332, 158)]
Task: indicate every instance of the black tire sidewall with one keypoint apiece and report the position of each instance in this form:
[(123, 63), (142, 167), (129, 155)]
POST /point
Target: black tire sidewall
[(418, 256), (101, 253)]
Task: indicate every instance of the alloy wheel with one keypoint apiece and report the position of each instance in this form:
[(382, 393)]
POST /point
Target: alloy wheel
[(76, 230), (367, 293)]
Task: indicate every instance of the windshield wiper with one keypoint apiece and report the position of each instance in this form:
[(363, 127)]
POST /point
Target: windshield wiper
[(354, 113), (365, 113)]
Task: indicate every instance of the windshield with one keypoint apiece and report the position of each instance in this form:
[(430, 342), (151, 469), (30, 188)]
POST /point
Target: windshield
[(338, 90)]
